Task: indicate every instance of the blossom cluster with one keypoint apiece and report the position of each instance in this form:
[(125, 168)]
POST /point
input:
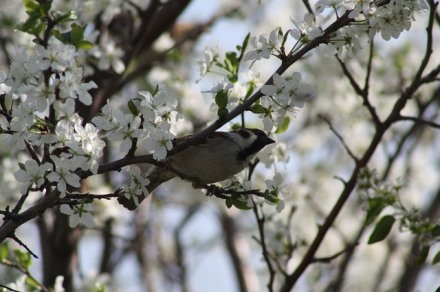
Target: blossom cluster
[(149, 122), (41, 88), (283, 96), (371, 17), (368, 18), (263, 46), (138, 185)]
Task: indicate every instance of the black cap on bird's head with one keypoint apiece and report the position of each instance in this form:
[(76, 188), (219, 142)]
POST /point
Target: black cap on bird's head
[(260, 140)]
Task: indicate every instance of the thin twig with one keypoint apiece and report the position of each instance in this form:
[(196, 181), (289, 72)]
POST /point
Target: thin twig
[(420, 121), (8, 288), (332, 257), (20, 203), (25, 272), (91, 196), (15, 238), (350, 153), (369, 68), (32, 152), (357, 88), (308, 7)]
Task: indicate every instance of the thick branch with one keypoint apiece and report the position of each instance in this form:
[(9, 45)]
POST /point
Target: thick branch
[(8, 228)]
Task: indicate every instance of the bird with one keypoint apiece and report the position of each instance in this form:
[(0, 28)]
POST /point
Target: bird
[(217, 157)]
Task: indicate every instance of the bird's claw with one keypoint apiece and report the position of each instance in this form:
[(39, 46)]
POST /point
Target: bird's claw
[(212, 190)]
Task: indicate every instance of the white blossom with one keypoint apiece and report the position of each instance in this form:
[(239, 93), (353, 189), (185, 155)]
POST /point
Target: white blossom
[(79, 215), (275, 185), (207, 60), (138, 185), (263, 46), (42, 95), (158, 105), (24, 73), (71, 85), (366, 7), (3, 87), (289, 92), (63, 174), (58, 55), (32, 174), (323, 4), (306, 30), (222, 85), (392, 19), (109, 56), (89, 139), (159, 141), (19, 284)]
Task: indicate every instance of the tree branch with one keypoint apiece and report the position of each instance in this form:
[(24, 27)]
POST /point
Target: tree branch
[(362, 92), (418, 120), (351, 183), (336, 255), (15, 238), (260, 222), (347, 149)]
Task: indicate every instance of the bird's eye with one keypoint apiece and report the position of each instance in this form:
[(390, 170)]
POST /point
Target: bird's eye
[(244, 133)]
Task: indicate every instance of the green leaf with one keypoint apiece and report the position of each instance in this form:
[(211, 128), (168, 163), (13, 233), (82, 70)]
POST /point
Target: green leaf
[(221, 99), (284, 37), (233, 77), (284, 126), (232, 61), (421, 257), (243, 47), (29, 24), (436, 258), (382, 229), (237, 203), (32, 284), (132, 107), (99, 287), (38, 29), (85, 45), (65, 17), (231, 65), (45, 7), (31, 5), (22, 166), (23, 258), (375, 207), (222, 112), (4, 251), (156, 90), (250, 89), (272, 197), (258, 109), (77, 33), (435, 231), (62, 36)]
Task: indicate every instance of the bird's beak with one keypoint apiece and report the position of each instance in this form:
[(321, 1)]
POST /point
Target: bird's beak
[(268, 141)]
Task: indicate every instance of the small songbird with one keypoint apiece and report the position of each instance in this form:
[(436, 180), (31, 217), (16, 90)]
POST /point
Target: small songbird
[(218, 157)]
